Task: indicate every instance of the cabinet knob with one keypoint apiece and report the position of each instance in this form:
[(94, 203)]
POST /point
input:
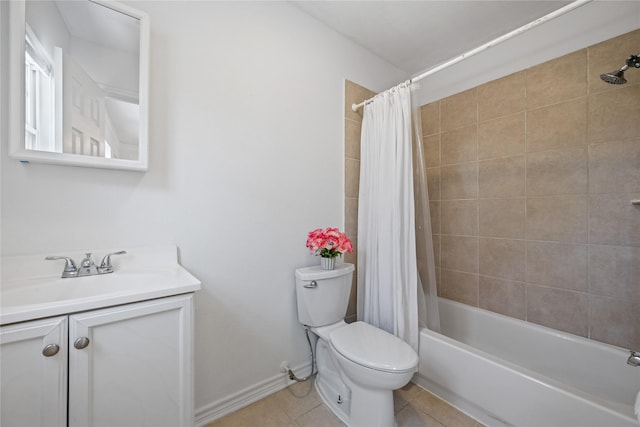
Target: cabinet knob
[(81, 343), (50, 350)]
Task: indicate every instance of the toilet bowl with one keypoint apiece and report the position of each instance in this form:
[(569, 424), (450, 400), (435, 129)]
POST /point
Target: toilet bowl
[(358, 365), (372, 357)]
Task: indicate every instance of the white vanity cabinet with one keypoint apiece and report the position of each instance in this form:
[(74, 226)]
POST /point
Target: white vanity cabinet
[(127, 365), (34, 386)]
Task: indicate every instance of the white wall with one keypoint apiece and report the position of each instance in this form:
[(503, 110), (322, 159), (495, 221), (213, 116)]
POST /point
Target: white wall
[(587, 25), (246, 157)]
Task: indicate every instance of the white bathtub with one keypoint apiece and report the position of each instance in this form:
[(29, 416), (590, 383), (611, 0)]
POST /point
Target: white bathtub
[(504, 371)]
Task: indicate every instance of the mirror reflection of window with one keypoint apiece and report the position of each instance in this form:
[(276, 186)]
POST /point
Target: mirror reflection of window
[(39, 96), (82, 106), (107, 149), (95, 148), (89, 91), (77, 139)]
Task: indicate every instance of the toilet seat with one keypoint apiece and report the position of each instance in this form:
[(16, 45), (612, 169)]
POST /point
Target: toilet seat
[(373, 348), (324, 331)]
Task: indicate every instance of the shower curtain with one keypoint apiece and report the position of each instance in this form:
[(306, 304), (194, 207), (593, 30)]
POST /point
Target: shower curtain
[(389, 286)]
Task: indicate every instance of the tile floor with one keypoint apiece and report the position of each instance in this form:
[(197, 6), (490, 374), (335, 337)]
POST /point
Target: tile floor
[(300, 406)]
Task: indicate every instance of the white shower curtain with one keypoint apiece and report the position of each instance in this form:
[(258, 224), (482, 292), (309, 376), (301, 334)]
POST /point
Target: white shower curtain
[(387, 264)]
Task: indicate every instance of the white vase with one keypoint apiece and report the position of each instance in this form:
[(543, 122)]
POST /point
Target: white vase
[(327, 263)]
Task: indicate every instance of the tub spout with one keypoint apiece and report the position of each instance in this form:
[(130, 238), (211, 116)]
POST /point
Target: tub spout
[(634, 359)]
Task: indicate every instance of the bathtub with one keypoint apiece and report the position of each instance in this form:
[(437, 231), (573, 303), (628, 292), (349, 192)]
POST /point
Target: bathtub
[(504, 372)]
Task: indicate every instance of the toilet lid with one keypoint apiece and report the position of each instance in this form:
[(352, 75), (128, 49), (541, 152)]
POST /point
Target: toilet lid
[(373, 348)]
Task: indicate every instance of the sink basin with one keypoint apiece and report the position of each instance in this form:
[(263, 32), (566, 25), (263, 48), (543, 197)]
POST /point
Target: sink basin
[(44, 296)]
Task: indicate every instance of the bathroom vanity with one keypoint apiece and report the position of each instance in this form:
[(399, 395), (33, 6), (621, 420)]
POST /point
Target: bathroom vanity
[(114, 349)]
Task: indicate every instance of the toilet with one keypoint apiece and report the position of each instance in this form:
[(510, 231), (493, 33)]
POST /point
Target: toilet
[(358, 365)]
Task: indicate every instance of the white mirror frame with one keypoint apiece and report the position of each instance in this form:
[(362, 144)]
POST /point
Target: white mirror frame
[(17, 98)]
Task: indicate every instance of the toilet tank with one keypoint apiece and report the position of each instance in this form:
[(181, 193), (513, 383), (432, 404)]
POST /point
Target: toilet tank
[(323, 295)]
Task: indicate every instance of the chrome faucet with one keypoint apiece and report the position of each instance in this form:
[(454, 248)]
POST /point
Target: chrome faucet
[(70, 269), (634, 359), (87, 266), (105, 264)]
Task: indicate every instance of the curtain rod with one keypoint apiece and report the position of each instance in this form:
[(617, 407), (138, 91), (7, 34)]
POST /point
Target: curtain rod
[(571, 6)]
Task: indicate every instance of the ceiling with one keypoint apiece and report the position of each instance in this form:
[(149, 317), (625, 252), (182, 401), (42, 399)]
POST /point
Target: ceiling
[(417, 35), (100, 24)]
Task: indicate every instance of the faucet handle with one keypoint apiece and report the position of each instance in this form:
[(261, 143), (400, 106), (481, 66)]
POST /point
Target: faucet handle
[(105, 265), (70, 269)]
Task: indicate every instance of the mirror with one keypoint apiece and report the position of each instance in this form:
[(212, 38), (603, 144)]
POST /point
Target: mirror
[(79, 83)]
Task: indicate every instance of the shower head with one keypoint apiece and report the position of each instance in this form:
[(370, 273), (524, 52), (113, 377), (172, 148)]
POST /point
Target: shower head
[(617, 77)]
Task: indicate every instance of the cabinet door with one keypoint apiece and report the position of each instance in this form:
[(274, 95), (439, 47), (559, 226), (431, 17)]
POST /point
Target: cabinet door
[(34, 380), (136, 367)]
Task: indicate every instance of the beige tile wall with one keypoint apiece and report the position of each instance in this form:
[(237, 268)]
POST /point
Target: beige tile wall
[(530, 180), (354, 94)]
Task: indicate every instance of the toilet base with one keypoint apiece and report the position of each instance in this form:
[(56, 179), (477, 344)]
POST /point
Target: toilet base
[(329, 385), (339, 403), (365, 410), (352, 404)]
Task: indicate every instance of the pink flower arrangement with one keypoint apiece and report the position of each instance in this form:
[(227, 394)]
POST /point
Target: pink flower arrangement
[(329, 243)]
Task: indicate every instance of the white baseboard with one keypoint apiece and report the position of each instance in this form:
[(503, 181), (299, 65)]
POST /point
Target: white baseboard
[(221, 407)]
